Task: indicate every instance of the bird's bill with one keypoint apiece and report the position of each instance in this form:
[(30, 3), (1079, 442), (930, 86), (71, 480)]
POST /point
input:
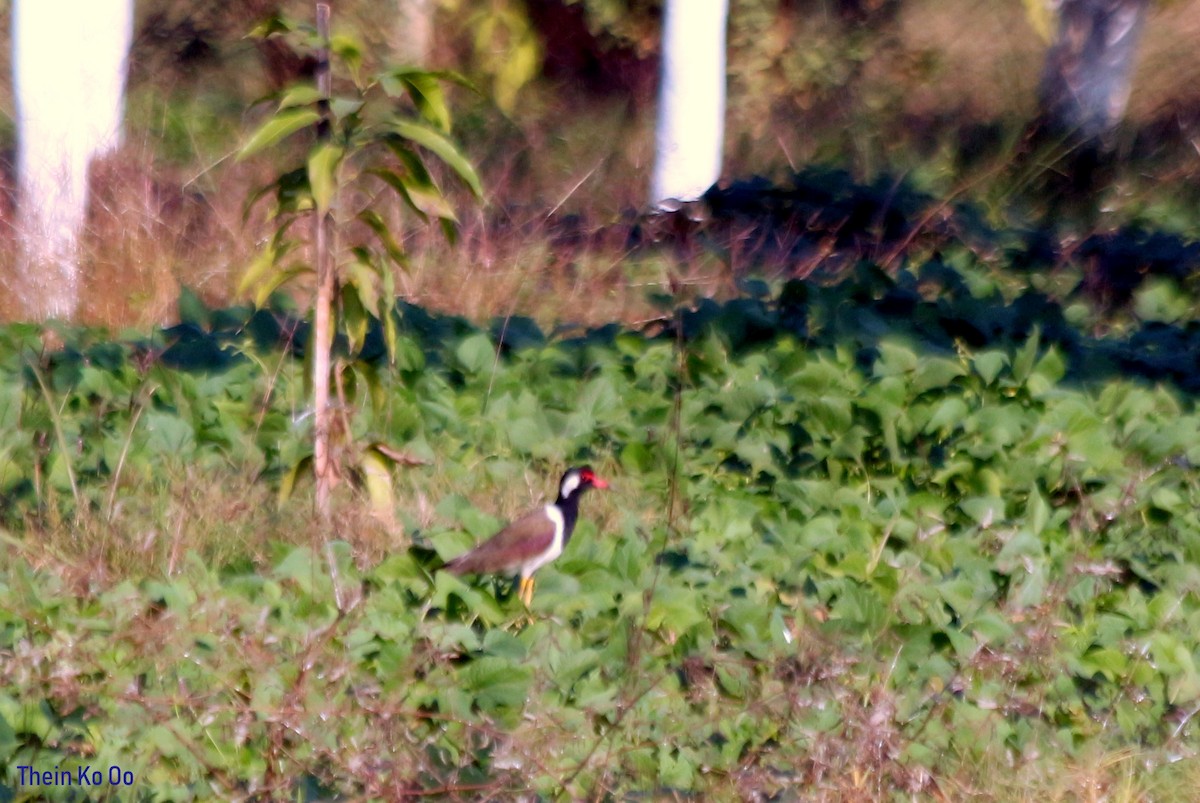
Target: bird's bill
[(594, 480)]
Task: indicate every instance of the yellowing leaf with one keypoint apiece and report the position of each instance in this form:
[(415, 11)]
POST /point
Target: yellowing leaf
[(377, 480), (322, 174), (1042, 17)]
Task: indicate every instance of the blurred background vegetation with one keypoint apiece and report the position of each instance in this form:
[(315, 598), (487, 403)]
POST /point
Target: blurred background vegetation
[(939, 96), (915, 516)]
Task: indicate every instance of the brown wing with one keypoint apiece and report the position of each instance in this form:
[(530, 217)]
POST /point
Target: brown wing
[(509, 549)]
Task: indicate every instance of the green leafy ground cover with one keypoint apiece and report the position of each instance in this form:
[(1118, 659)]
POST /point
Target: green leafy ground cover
[(890, 536)]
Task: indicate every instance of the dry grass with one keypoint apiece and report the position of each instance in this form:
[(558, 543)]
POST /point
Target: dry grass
[(151, 231), (148, 234), (154, 228), (221, 516)]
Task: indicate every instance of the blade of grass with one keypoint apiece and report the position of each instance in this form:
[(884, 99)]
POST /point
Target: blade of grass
[(56, 421)]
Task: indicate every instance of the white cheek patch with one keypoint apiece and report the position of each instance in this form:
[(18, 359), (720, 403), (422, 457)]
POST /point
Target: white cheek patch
[(570, 485)]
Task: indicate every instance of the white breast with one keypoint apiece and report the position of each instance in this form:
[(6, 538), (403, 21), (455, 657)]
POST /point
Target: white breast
[(556, 546)]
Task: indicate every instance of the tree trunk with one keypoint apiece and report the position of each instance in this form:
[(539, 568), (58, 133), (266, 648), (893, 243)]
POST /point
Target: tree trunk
[(1083, 93), (69, 66), (690, 130), (1086, 81), (411, 33)]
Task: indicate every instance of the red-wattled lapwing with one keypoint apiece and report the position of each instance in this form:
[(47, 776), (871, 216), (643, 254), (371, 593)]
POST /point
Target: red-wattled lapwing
[(533, 540)]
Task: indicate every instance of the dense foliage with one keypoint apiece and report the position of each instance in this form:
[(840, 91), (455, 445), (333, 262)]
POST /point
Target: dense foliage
[(924, 524), (852, 544)]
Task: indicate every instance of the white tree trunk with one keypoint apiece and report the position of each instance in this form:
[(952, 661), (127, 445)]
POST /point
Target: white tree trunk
[(411, 33), (69, 64), (691, 102), (1089, 69)]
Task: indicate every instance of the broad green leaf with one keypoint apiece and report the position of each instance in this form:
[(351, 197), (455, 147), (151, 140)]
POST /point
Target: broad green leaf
[(895, 359), (1174, 659), (1030, 590), (256, 270), (300, 566), (443, 148), (299, 95), (735, 681), (1162, 300), (936, 372), (192, 309), (409, 356), (984, 510), (288, 482), (991, 628), (11, 398), (273, 24), (1046, 373), (393, 249), (354, 317), (947, 416), (427, 200), (166, 434), (401, 185), (833, 413), (989, 364), (960, 594), (350, 51), (392, 81), (1037, 511), (497, 684), (403, 570), (425, 90), (475, 353), (364, 278), (508, 47), (342, 108), (675, 609), (1105, 661), (527, 433), (281, 126), (676, 769), (177, 596), (1024, 358), (387, 312), (505, 645), (274, 281)]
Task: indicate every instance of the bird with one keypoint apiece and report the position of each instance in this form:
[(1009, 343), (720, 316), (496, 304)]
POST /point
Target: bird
[(533, 540)]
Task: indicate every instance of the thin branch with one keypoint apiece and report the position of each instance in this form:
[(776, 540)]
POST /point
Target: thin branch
[(322, 327)]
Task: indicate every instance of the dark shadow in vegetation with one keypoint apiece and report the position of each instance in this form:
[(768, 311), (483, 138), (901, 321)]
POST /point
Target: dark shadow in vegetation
[(818, 221), (860, 262), (873, 254), (932, 306)]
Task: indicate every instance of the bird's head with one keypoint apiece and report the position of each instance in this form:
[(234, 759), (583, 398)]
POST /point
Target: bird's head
[(577, 480)]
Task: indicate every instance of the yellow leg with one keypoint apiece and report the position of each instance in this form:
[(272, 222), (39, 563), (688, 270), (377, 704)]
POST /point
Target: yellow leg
[(526, 591)]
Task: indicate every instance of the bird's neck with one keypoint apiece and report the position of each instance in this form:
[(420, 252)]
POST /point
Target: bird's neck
[(569, 507)]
